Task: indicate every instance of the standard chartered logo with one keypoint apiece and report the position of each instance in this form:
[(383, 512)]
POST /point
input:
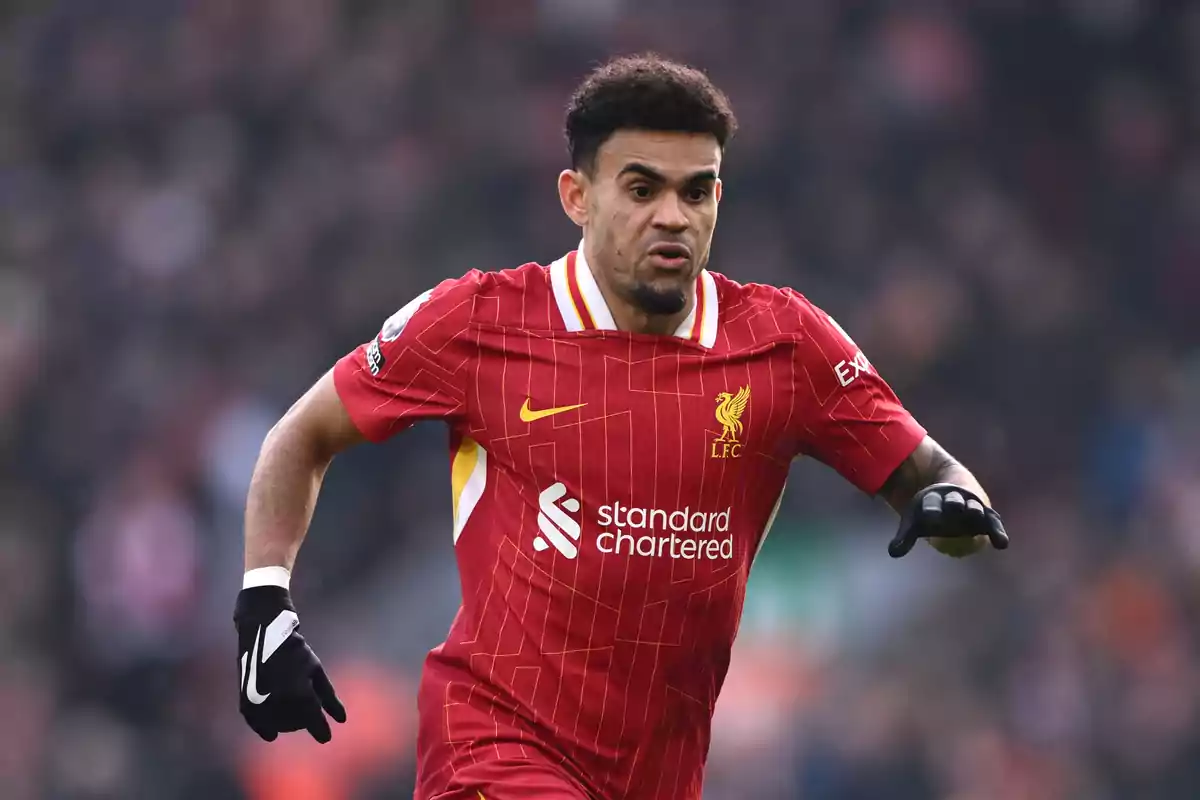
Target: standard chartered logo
[(634, 531), (629, 530), (557, 528)]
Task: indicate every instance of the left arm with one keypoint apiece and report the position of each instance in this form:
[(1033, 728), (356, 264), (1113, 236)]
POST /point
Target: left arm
[(854, 423), (930, 464)]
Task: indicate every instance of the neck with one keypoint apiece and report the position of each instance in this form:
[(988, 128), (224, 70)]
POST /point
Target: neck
[(631, 318)]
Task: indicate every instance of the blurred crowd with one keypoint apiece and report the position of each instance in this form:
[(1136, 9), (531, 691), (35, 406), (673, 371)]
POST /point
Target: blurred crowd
[(204, 203)]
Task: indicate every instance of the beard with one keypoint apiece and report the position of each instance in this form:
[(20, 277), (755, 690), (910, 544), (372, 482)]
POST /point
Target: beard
[(658, 302)]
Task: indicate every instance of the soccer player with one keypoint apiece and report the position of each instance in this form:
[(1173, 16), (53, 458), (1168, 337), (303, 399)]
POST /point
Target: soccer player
[(621, 424)]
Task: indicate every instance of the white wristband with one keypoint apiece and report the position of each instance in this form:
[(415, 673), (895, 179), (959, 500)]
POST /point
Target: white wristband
[(267, 576)]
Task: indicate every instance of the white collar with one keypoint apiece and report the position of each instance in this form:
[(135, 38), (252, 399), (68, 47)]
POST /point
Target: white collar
[(582, 306)]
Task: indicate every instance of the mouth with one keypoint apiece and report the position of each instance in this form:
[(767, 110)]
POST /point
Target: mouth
[(670, 256)]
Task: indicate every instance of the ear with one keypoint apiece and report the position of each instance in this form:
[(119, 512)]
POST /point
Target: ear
[(717, 190), (572, 193)]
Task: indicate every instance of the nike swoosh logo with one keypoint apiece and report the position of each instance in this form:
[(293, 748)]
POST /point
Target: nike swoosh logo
[(252, 684), (276, 634), (529, 415)]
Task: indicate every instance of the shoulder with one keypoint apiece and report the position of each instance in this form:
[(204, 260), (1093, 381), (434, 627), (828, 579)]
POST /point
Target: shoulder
[(765, 310), (530, 278), (517, 297), (496, 296)]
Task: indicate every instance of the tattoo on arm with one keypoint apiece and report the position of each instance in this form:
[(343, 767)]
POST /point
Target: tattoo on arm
[(928, 464)]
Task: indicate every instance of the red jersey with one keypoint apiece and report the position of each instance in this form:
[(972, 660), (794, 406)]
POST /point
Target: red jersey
[(610, 491)]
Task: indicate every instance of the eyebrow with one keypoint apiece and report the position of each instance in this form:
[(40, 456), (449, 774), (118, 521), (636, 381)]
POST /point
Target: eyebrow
[(652, 174)]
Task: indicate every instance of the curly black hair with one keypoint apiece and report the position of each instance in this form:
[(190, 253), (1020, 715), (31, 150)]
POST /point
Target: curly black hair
[(643, 92)]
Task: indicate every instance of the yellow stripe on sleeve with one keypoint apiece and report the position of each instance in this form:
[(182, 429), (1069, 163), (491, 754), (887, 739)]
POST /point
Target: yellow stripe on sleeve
[(461, 469)]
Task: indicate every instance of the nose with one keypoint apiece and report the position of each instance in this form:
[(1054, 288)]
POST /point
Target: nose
[(669, 214)]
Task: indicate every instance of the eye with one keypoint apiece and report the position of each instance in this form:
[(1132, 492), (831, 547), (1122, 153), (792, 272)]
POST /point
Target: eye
[(641, 191), (697, 194)]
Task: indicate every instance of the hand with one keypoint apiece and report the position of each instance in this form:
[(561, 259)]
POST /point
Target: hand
[(283, 685), (946, 511)]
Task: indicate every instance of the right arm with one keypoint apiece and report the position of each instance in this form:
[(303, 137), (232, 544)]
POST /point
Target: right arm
[(289, 472), (408, 372), (283, 686)]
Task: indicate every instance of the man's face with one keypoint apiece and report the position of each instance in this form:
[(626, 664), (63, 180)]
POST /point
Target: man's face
[(651, 208)]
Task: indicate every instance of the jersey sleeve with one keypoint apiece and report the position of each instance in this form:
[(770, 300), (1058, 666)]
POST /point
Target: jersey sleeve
[(414, 369), (852, 420)]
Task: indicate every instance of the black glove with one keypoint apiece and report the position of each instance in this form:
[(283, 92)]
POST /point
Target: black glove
[(944, 510), (283, 686)]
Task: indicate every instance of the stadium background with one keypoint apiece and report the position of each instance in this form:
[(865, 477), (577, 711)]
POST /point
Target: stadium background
[(205, 203)]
